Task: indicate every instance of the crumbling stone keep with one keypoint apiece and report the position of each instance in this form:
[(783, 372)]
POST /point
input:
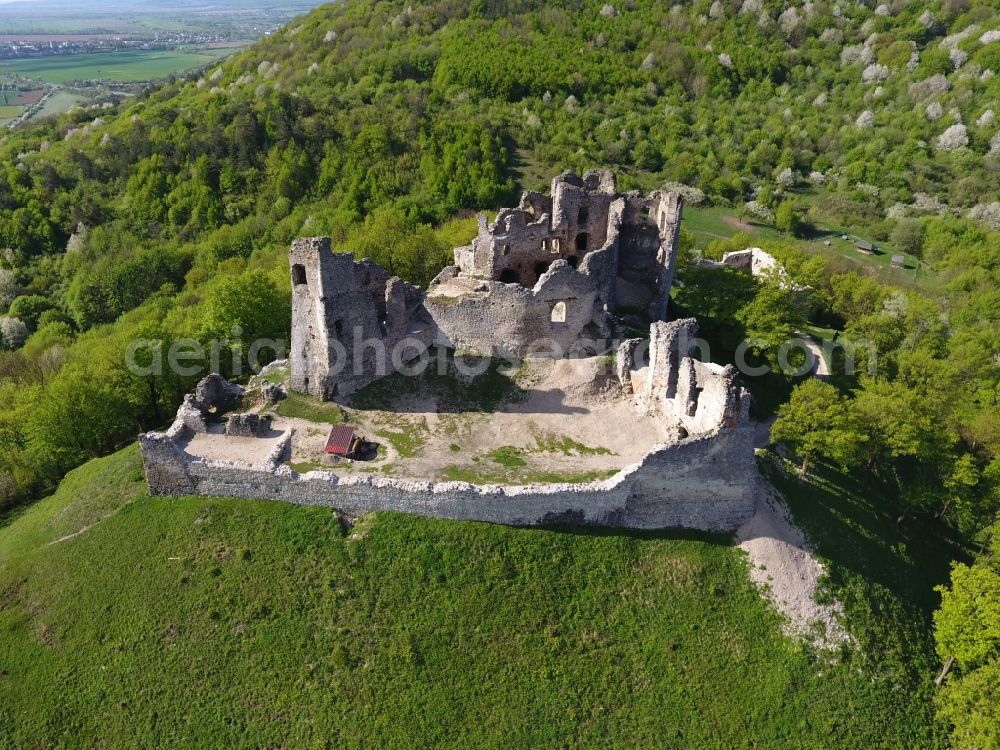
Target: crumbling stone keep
[(549, 278), (347, 316), (560, 267)]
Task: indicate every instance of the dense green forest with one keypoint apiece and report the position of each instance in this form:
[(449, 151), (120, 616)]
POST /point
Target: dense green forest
[(384, 124)]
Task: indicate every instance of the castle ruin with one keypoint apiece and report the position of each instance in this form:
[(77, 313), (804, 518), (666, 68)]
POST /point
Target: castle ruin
[(573, 271), (549, 278)]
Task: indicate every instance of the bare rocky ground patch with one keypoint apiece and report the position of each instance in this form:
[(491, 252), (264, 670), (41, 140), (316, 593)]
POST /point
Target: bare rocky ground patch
[(566, 420), (783, 565)]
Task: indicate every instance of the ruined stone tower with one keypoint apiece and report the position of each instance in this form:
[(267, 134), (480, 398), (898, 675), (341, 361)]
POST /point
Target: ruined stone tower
[(346, 318), (625, 242)]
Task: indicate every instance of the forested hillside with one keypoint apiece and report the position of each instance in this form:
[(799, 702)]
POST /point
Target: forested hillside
[(385, 124)]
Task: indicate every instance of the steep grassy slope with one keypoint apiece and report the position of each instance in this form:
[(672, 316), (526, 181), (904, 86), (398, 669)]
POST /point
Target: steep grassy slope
[(198, 622)]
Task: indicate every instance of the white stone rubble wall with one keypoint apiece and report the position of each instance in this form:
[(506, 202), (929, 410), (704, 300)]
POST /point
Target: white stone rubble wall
[(707, 483)]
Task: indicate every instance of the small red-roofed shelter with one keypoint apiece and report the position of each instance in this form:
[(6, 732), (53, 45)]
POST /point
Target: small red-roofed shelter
[(342, 441)]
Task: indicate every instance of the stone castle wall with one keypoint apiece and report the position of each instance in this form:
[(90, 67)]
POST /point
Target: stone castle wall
[(706, 482), (557, 269), (338, 304), (512, 319)]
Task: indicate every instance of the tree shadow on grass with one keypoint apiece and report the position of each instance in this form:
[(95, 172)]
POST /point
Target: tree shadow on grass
[(8, 516), (576, 528), (854, 527)]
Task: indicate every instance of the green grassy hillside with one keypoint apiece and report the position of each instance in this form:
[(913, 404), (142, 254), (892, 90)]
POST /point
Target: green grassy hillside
[(130, 621)]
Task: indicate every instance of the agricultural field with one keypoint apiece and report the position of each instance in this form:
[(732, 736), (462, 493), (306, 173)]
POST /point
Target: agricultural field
[(13, 103), (59, 102), (125, 66)]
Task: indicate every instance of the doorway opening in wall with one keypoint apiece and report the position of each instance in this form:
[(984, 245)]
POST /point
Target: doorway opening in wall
[(509, 276), (558, 313), (573, 261), (642, 354), (541, 268), (299, 275), (581, 242)]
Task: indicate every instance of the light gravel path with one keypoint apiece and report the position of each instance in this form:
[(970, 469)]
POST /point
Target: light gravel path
[(821, 367)]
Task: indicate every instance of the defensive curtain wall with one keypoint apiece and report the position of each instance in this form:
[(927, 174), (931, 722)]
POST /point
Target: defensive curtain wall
[(704, 478)]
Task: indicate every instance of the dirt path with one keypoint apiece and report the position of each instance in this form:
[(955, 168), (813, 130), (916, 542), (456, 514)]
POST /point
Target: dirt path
[(86, 528), (822, 368), (739, 226), (782, 563)]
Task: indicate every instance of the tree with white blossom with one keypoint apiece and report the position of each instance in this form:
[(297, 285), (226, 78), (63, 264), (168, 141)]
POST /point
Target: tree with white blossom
[(953, 138), (759, 211), (789, 20), (8, 287), (986, 213), (875, 72), (13, 332)]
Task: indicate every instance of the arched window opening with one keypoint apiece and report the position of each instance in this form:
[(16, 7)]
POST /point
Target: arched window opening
[(581, 242), (584, 215), (558, 312)]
